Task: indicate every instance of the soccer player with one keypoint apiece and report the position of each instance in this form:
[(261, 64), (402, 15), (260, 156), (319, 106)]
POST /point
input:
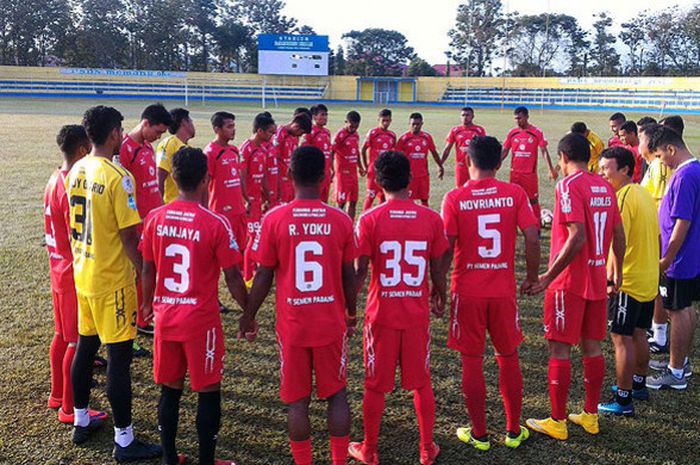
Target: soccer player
[(185, 247), (482, 219), (630, 141), (645, 120), (309, 247), (402, 241), (273, 170), (320, 137), (597, 145), (285, 141), (586, 221), (181, 130), (378, 140), (615, 121), (462, 135), (674, 122), (74, 145), (524, 141), (345, 156), (630, 310), (137, 156), (254, 169), (103, 221), (680, 252), (226, 196), (416, 144)]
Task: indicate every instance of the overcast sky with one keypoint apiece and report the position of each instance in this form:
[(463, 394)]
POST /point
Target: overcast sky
[(426, 23)]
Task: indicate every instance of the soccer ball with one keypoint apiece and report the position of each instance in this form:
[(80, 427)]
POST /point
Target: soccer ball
[(546, 218)]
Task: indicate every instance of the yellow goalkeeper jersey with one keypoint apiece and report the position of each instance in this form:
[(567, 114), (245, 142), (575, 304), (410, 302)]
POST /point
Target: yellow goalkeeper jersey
[(164, 158)]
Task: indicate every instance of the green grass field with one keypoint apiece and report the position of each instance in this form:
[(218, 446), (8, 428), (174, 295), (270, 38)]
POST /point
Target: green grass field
[(665, 430)]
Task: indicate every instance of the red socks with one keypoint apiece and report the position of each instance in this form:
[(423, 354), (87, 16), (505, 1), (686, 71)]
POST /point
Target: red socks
[(559, 381), (339, 449), (301, 451), (67, 406), (372, 410), (424, 402), (56, 355), (593, 376), (249, 264), (474, 389), (511, 384)]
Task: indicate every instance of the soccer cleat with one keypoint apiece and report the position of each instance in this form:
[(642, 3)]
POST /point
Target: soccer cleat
[(465, 435), (587, 421), (223, 309), (137, 450), (357, 451), (637, 394), (556, 429), (666, 380), (139, 351), (148, 330), (83, 433), (55, 403), (656, 348), (615, 408), (515, 442), (661, 365), (181, 459), (99, 362), (428, 457), (68, 418)]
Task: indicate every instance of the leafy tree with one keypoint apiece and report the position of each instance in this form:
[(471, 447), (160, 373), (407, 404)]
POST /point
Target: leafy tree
[(420, 67), (603, 57), (634, 36), (377, 52), (477, 31), (339, 63), (232, 40)]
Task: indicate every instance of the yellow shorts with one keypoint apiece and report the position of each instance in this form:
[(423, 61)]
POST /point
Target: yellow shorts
[(111, 316)]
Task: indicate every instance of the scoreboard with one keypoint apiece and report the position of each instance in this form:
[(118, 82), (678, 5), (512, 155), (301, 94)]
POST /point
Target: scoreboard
[(293, 54)]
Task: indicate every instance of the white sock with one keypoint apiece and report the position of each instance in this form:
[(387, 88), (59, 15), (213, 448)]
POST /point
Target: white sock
[(677, 372), (660, 333), (81, 417), (124, 436), (685, 362)]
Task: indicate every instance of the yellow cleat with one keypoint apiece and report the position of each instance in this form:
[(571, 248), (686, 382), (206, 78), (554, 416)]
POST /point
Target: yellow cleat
[(553, 428), (465, 435), (249, 284), (588, 421), (515, 442)]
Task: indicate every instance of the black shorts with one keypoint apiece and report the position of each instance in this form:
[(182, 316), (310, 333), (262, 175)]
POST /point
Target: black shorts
[(625, 314), (679, 294)]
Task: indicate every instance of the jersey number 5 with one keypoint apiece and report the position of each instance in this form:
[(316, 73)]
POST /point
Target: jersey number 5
[(490, 233)]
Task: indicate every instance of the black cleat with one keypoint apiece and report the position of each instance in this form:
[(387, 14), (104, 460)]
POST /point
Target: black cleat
[(137, 450), (83, 433), (148, 330), (139, 350), (223, 309), (99, 362)]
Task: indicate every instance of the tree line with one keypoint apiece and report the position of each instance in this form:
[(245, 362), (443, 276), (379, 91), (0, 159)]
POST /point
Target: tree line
[(220, 35)]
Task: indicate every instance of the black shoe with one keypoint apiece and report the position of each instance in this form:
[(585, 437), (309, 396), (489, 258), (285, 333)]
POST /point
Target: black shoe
[(83, 433), (137, 450), (99, 362), (139, 351), (148, 330), (223, 309)]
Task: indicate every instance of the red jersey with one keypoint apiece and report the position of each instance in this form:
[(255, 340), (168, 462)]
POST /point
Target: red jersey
[(484, 216), (189, 245), (140, 161), (320, 138), (378, 141), (614, 141), (306, 242), (638, 163), (400, 238), (273, 170), (346, 147), (524, 144), (254, 159), (225, 195), (462, 136), (57, 232), (417, 147), (587, 199), (285, 144)]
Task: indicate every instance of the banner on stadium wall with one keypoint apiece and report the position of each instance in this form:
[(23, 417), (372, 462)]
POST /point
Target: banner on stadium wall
[(616, 81), (122, 72), (293, 54)]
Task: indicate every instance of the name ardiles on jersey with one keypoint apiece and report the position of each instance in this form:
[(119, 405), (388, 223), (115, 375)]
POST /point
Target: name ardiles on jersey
[(601, 201)]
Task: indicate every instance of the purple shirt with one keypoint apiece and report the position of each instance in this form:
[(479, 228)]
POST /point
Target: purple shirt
[(682, 201)]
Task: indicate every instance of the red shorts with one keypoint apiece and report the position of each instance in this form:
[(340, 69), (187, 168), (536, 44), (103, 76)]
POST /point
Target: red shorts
[(384, 348), (461, 174), (420, 188), (239, 224), (298, 365), (569, 318), (472, 317), (374, 191), (325, 189), (346, 188), (527, 181), (286, 190), (65, 314), (202, 357)]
